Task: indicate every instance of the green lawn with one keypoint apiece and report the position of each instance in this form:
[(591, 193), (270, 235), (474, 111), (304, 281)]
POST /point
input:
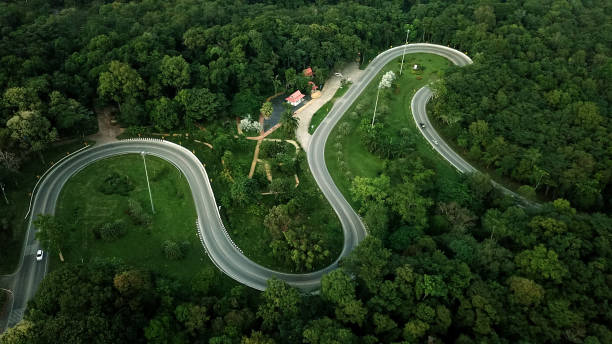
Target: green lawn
[(358, 160), (320, 115), (18, 194), (82, 207)]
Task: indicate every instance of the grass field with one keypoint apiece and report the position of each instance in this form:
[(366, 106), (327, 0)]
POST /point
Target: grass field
[(359, 161), (319, 116), (83, 207), (18, 195)]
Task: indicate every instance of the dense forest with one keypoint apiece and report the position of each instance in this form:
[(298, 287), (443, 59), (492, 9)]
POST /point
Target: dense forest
[(447, 261), (474, 275), (535, 105)]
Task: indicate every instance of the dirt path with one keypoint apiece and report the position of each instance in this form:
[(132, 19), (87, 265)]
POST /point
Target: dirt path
[(351, 72), (255, 157), (107, 132)]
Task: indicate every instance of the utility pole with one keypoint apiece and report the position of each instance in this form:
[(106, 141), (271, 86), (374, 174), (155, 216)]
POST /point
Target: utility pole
[(148, 185), (404, 53), (4, 193), (375, 105)]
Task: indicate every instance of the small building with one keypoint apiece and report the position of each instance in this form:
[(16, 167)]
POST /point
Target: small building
[(313, 85), (307, 72), (295, 98), (416, 67)]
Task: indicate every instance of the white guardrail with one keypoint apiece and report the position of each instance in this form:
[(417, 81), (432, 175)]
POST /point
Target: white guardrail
[(46, 173)]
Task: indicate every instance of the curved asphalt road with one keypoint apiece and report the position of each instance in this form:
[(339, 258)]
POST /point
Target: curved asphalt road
[(224, 254), (419, 113)]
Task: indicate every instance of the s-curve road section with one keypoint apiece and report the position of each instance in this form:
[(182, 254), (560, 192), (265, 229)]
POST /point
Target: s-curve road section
[(354, 230), (217, 243)]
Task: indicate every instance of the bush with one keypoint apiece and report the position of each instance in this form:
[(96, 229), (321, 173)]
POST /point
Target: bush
[(158, 174), (116, 184), (270, 149), (137, 213), (172, 250), (110, 231), (249, 125), (185, 245)]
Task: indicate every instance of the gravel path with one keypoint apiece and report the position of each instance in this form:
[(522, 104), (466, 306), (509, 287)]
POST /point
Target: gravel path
[(351, 72), (107, 132)]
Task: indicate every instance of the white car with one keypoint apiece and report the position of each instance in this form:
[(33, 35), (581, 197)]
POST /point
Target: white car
[(338, 74), (435, 142), (39, 255)]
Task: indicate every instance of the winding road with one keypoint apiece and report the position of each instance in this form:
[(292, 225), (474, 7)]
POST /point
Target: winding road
[(218, 245)]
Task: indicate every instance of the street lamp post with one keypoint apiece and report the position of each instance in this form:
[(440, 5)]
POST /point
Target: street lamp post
[(148, 185), (404, 53), (4, 193), (375, 105)]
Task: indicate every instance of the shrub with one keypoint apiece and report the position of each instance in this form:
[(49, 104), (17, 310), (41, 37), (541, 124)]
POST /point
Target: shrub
[(114, 183), (137, 213), (270, 149), (110, 231), (158, 174), (249, 125), (185, 245), (345, 128), (172, 250)]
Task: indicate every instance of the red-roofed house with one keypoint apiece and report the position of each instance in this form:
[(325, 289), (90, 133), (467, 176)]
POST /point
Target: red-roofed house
[(314, 87), (295, 98), (307, 72)]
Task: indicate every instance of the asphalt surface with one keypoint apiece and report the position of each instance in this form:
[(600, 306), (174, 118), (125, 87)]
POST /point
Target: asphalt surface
[(217, 243)]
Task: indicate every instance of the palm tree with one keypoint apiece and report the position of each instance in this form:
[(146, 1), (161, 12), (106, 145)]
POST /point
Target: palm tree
[(289, 122)]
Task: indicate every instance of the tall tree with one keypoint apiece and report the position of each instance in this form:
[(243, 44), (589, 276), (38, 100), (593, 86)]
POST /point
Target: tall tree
[(174, 71), (32, 131), (199, 103), (289, 122), (281, 302), (51, 233), (266, 109), (120, 83)]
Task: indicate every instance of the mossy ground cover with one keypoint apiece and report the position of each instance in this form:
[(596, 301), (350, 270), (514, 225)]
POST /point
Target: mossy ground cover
[(83, 207), (358, 161), (18, 193)]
